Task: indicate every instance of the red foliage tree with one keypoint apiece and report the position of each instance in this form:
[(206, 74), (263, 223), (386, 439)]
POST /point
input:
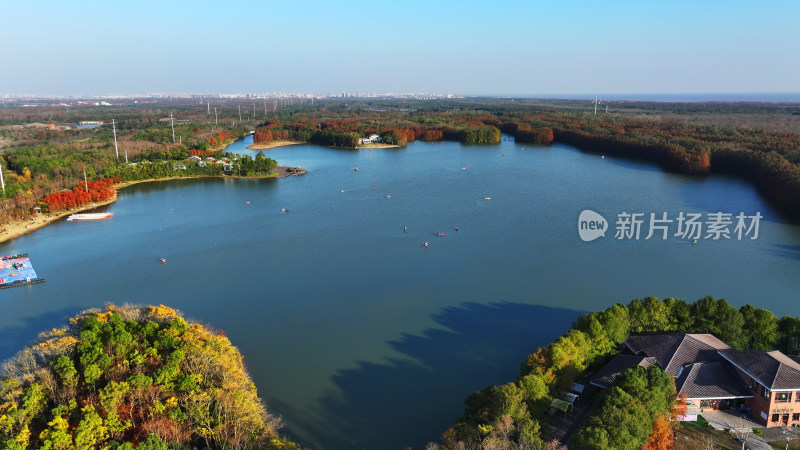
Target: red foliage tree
[(83, 193), (661, 439)]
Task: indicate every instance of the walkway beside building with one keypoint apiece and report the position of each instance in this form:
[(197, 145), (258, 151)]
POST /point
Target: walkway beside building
[(743, 426)]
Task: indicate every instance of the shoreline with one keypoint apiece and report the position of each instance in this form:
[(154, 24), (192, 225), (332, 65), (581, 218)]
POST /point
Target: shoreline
[(276, 144), (377, 146), (273, 144), (33, 222), (17, 228)]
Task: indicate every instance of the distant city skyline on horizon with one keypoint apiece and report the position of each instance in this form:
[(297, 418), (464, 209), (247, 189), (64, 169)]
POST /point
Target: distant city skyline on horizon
[(509, 49), (688, 97)]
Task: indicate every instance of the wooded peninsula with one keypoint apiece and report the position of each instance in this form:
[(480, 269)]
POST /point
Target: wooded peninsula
[(639, 408), (132, 377)]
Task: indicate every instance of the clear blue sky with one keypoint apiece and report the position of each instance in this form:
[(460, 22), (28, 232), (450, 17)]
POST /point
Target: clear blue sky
[(465, 47)]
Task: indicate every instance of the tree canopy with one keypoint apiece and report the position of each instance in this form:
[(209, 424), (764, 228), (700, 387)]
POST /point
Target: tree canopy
[(132, 377)]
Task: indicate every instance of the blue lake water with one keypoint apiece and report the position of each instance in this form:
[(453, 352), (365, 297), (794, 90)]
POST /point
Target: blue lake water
[(354, 332)]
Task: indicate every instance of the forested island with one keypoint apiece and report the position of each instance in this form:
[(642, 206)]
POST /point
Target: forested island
[(132, 377)]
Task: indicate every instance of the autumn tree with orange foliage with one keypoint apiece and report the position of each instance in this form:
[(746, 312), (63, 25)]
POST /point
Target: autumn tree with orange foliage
[(663, 435), (80, 195), (219, 138)]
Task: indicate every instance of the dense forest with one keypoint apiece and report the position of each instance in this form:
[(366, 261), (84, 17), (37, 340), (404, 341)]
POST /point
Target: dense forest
[(635, 412), (132, 377)]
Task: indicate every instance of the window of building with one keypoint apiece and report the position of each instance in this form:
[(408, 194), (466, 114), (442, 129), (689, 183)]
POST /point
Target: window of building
[(776, 417), (783, 397), (797, 396), (795, 417), (764, 393)]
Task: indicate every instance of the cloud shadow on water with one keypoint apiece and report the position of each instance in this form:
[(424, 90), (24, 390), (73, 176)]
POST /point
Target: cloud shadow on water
[(409, 402)]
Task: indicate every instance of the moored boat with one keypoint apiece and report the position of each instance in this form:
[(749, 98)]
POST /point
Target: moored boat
[(91, 216)]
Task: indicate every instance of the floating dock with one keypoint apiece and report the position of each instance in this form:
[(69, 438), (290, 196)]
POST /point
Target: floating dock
[(16, 271)]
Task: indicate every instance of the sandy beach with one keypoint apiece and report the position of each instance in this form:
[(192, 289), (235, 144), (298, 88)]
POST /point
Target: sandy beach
[(35, 221), (273, 144), (377, 146)]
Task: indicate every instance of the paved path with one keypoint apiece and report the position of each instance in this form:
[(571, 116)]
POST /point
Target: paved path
[(724, 420)]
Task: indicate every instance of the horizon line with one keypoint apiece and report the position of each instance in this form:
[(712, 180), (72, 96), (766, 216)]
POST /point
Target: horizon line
[(774, 96)]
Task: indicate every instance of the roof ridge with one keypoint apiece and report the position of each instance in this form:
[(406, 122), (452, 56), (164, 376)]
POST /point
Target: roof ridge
[(782, 368), (691, 373), (675, 352), (784, 359), (705, 338)]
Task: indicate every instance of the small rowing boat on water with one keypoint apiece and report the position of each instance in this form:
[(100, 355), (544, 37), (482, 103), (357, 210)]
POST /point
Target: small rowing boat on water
[(90, 216)]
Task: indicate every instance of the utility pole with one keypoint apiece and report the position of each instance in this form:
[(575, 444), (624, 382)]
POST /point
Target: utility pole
[(114, 128), (208, 107), (215, 116), (240, 113), (172, 124)]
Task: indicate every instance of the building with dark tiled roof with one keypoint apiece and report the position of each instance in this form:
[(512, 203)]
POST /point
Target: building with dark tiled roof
[(699, 371), (714, 376), (674, 349), (774, 378), (714, 385), (606, 376)]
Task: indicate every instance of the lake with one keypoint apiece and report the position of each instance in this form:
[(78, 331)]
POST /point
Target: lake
[(353, 331)]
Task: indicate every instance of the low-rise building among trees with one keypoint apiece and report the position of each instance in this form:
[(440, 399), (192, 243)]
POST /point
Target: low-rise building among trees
[(711, 375), (372, 139), (774, 380)]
